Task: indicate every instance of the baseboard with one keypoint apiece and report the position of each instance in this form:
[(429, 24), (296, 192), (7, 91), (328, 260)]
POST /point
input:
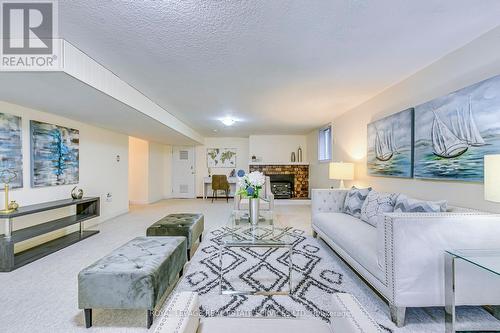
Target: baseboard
[(104, 218), (138, 202)]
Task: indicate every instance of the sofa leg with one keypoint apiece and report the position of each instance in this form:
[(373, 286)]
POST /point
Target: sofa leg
[(398, 315), (201, 237), (150, 318), (88, 317), (189, 254), (315, 234)]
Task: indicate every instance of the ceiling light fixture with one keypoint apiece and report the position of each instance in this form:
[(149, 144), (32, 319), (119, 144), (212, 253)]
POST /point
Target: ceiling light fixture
[(228, 121)]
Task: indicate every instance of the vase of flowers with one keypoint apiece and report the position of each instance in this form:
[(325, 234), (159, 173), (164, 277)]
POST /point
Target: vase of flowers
[(250, 186)]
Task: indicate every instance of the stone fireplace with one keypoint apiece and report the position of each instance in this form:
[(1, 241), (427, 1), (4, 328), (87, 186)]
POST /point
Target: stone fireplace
[(287, 180)]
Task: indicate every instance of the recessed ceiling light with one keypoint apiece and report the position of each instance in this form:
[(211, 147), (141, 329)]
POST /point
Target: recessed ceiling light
[(228, 121), (215, 130)]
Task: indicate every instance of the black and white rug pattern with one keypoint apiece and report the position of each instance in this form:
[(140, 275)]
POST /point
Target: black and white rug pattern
[(317, 273)]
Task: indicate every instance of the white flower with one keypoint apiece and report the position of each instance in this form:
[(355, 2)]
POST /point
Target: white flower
[(256, 178)]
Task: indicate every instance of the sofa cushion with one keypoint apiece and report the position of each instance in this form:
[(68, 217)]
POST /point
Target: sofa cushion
[(354, 200), (375, 205), (354, 236), (405, 204), (262, 325)]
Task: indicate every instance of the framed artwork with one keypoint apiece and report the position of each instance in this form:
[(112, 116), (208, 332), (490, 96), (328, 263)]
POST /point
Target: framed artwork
[(54, 154), (221, 157), (11, 150), (454, 132), (390, 146)]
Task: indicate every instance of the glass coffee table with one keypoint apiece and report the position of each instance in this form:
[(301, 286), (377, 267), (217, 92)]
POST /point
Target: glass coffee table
[(488, 260), (267, 233)]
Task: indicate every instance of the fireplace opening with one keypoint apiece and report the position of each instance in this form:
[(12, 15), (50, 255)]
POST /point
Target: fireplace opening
[(282, 186)]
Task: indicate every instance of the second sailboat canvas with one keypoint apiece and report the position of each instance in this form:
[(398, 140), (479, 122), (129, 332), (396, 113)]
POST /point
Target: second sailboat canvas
[(454, 132), (390, 142)]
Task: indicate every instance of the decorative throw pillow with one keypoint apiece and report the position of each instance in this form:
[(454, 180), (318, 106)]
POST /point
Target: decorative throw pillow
[(405, 204), (354, 200), (375, 205)]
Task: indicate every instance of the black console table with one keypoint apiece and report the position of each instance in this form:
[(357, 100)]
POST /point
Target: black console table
[(86, 209)]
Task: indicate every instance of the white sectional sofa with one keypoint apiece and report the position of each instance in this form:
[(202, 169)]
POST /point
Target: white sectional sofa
[(181, 315), (403, 256)]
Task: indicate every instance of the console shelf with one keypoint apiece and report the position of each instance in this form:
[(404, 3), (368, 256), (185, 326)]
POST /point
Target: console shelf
[(86, 208)]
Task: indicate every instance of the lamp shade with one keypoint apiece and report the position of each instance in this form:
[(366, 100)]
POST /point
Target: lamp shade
[(341, 171), (492, 178)]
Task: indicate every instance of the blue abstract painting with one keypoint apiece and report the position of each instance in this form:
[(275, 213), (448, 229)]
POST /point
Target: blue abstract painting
[(454, 132), (11, 152), (55, 155), (390, 146)]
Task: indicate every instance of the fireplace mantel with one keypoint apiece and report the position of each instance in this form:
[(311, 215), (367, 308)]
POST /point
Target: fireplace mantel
[(278, 163)]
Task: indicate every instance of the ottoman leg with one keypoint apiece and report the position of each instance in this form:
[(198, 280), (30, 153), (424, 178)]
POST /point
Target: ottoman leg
[(88, 317), (189, 254), (150, 318), (201, 237)]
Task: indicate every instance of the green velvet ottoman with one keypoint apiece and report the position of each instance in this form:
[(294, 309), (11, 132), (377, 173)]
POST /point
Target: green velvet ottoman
[(134, 276), (186, 224)]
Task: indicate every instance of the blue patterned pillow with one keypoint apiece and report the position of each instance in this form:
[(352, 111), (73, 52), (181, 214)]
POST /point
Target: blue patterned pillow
[(376, 204), (354, 201), (405, 204)]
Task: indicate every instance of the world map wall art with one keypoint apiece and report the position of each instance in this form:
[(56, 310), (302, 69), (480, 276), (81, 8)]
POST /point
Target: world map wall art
[(390, 146), (54, 154), (221, 157)]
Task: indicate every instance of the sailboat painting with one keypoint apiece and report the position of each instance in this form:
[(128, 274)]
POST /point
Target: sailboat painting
[(390, 146), (454, 132)]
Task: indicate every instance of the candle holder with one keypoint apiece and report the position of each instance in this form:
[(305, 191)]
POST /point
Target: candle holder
[(7, 176)]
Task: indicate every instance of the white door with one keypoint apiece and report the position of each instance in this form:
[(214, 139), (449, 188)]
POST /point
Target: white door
[(183, 172)]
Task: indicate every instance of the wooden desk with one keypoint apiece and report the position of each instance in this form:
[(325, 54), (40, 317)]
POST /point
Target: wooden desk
[(207, 182)]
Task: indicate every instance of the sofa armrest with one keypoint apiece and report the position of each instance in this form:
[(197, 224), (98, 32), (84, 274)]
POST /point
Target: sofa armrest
[(181, 315), (349, 316), (414, 250), (327, 200)]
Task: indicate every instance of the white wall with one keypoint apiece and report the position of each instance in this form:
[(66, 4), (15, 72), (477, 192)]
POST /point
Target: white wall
[(150, 166), (241, 146), (277, 148), (472, 63), (100, 173)]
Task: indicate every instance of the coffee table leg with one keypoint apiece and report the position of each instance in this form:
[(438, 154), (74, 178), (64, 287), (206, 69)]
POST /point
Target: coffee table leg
[(290, 268), (449, 293), (220, 267)]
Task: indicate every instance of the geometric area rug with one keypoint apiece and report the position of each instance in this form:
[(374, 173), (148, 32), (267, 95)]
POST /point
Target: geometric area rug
[(317, 273)]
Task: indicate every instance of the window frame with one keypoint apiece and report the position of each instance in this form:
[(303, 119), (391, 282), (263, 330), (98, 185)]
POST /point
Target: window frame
[(321, 139)]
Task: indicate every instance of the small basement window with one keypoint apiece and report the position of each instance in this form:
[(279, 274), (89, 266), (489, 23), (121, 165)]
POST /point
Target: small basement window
[(325, 144)]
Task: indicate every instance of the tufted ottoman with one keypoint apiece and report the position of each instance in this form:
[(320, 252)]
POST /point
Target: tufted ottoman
[(134, 276), (186, 224)]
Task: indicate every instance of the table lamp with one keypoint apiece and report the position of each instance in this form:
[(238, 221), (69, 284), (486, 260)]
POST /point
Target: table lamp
[(492, 178), (341, 171)]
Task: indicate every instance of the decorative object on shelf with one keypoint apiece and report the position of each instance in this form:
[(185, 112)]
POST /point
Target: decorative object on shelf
[(76, 193), (233, 173), (292, 157), (299, 154), (221, 157), (55, 155), (11, 152), (13, 205), (492, 178), (390, 146), (453, 133), (7, 176), (254, 158), (341, 171), (249, 187)]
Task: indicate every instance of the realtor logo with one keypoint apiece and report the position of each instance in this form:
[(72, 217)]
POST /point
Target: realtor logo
[(27, 28), (28, 35)]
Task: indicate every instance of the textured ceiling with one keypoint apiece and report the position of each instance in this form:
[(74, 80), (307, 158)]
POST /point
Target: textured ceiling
[(278, 66)]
